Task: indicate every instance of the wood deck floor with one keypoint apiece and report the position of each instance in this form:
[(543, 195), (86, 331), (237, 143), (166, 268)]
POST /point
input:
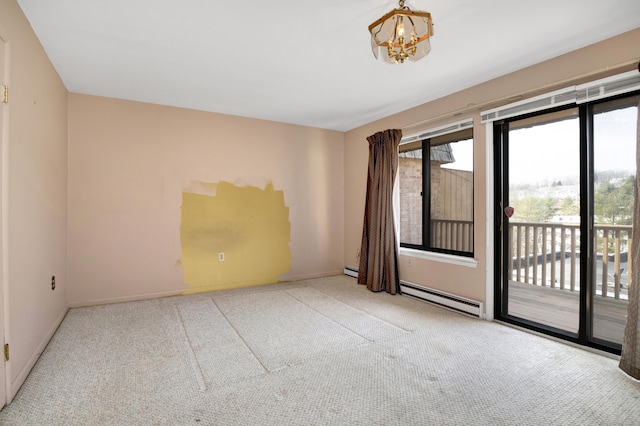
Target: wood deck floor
[(560, 309)]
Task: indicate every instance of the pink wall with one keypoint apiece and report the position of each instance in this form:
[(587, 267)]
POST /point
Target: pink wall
[(582, 65), (35, 182), (130, 162)]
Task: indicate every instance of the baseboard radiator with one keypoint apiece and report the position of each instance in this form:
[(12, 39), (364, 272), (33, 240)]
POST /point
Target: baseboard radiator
[(448, 300), (350, 271), (438, 297)]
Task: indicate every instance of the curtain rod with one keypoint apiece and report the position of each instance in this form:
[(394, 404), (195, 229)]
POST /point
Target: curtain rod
[(494, 103)]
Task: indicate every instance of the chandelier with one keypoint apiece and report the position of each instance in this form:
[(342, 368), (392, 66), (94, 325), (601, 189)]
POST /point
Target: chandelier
[(402, 34)]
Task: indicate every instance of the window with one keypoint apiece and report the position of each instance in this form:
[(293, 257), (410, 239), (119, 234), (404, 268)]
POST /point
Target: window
[(436, 191)]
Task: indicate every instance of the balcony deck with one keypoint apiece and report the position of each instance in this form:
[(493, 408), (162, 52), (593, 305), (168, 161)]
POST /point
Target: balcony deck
[(549, 253), (560, 309)]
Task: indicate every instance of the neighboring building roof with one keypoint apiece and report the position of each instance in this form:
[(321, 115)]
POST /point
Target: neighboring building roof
[(440, 153)]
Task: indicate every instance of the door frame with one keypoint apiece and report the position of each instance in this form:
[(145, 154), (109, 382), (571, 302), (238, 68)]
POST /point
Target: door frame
[(5, 382), (500, 238), (497, 140), (624, 77)]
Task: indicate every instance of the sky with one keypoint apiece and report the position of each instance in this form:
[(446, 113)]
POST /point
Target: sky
[(551, 152), (463, 153)]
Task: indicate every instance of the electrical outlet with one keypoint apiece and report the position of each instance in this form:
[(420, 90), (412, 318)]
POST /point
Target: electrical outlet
[(221, 257), (53, 282)]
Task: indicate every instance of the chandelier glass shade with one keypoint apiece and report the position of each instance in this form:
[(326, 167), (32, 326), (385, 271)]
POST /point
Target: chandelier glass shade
[(402, 34)]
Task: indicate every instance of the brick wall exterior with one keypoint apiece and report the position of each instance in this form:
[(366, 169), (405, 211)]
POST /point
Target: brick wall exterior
[(410, 175), (451, 199)]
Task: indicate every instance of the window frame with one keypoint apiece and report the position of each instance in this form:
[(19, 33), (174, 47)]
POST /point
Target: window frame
[(426, 250)]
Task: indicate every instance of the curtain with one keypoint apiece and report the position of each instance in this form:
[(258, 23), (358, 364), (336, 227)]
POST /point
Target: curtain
[(378, 267), (630, 358)]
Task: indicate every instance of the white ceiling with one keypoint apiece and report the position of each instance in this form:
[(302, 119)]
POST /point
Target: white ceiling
[(301, 61)]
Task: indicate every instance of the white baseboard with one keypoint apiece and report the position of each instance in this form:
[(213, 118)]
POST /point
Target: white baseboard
[(146, 296), (22, 376), (299, 277), (123, 299)]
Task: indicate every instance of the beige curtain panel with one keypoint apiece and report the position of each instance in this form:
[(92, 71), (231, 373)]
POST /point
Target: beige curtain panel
[(378, 267), (630, 358)]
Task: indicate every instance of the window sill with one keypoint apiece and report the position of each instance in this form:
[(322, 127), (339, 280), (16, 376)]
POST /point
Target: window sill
[(468, 262)]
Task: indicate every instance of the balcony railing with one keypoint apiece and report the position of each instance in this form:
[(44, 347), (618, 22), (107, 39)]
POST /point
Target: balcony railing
[(452, 234), (548, 254)]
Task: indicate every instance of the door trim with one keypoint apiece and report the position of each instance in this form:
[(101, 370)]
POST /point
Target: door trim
[(6, 396)]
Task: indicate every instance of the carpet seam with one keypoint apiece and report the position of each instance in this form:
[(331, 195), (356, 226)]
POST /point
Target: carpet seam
[(239, 335), (329, 318), (365, 312), (195, 365)]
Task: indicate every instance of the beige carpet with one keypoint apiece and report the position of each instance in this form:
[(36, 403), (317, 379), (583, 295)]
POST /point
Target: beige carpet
[(315, 352)]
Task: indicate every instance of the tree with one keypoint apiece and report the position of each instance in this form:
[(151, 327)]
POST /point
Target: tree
[(534, 209), (568, 207), (614, 204)]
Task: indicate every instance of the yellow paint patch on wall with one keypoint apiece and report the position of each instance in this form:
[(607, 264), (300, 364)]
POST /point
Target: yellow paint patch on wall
[(249, 225)]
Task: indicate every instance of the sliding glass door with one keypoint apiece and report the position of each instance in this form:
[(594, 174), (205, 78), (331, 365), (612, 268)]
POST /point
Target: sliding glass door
[(541, 219), (564, 197), (614, 163)]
